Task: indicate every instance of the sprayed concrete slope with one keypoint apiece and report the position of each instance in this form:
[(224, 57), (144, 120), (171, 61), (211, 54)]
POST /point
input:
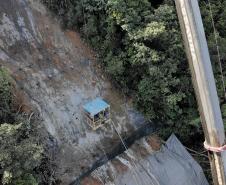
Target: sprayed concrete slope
[(149, 163), (58, 74)]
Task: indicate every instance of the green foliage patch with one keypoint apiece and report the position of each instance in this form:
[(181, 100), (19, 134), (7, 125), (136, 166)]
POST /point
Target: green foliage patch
[(20, 153), (6, 96)]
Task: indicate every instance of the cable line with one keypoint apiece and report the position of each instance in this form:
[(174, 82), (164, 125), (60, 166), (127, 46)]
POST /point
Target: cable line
[(150, 175), (126, 148), (217, 45)]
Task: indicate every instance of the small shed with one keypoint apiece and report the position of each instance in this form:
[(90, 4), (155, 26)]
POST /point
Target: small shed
[(97, 113)]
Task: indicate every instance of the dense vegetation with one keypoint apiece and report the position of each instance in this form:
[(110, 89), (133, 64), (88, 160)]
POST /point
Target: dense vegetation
[(140, 47), (21, 155)]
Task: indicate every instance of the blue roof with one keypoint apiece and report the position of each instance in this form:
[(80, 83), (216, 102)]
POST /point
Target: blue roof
[(95, 106)]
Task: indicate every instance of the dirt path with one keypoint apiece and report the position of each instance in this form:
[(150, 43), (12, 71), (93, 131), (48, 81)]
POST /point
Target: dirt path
[(58, 74)]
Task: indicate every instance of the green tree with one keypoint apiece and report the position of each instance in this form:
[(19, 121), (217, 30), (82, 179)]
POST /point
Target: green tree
[(6, 95), (19, 152)]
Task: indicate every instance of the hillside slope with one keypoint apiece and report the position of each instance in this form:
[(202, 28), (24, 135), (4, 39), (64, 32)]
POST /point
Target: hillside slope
[(58, 74)]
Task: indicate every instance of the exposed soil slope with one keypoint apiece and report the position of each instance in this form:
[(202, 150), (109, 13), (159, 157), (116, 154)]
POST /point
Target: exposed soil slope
[(58, 74)]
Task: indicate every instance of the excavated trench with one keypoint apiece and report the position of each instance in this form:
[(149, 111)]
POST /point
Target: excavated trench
[(145, 130)]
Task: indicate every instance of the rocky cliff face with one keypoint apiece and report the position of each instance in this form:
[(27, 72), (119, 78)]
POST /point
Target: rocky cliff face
[(58, 74)]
